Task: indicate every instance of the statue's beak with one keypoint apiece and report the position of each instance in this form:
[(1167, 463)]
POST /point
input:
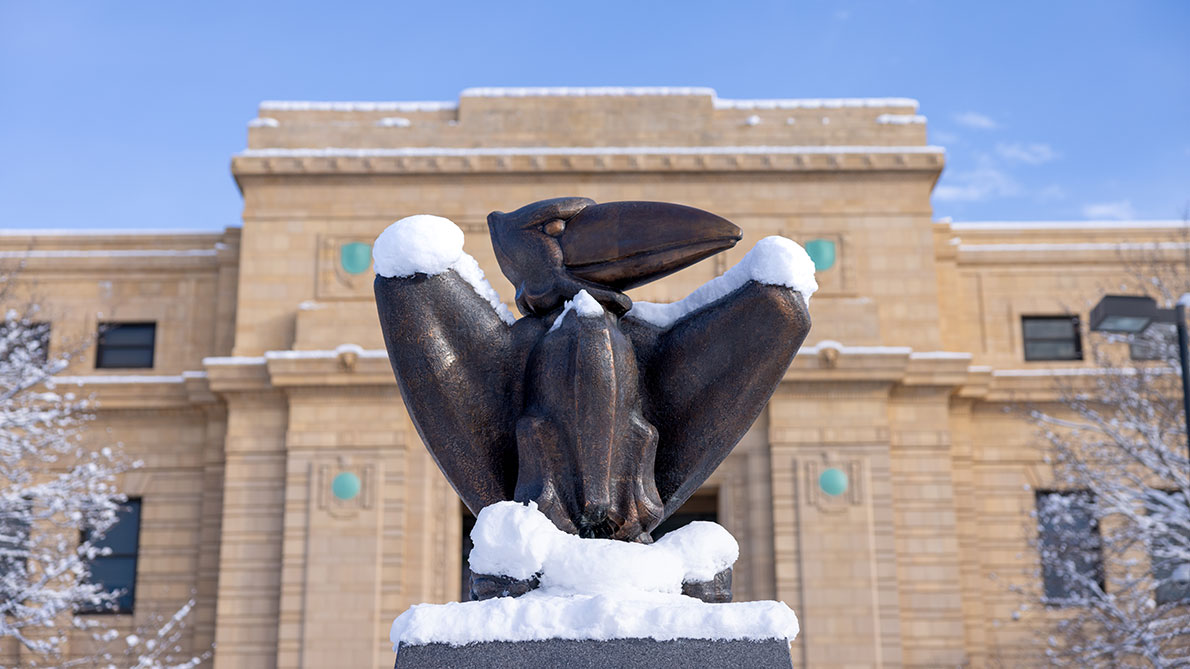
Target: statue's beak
[(626, 244)]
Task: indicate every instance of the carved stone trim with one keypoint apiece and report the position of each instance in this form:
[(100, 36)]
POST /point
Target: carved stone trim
[(344, 508), (302, 161), (825, 503)]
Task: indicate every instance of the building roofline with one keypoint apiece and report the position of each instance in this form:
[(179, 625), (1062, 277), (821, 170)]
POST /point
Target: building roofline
[(594, 91), (418, 151), (1063, 225), (110, 232)]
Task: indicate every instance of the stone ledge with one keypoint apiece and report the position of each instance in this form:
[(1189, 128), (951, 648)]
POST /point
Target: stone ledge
[(588, 159), (619, 653)]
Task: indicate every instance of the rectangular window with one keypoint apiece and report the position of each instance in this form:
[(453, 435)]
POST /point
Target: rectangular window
[(116, 572), (1052, 338), (1071, 556), (1167, 557), (1158, 342), (125, 345), (32, 339), (14, 539)]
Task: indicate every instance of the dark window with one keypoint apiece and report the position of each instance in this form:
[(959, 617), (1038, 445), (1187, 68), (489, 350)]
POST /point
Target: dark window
[(14, 541), (125, 345), (116, 572), (699, 507), (1052, 338), (1071, 557), (1167, 556), (32, 338), (1158, 342), (468, 525)]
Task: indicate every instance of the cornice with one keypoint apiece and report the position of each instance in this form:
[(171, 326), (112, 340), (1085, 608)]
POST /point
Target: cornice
[(136, 392), (431, 160)]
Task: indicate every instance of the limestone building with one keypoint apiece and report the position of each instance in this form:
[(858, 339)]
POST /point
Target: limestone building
[(258, 378)]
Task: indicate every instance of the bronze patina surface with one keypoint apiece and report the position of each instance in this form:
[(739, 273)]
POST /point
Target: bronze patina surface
[(609, 424)]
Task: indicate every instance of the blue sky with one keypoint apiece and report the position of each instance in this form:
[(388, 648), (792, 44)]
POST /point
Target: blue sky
[(126, 114)]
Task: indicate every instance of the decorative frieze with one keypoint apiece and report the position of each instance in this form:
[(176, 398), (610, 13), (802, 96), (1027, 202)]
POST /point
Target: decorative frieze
[(434, 160)]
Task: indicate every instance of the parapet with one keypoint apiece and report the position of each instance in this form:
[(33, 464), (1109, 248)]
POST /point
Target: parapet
[(587, 117)]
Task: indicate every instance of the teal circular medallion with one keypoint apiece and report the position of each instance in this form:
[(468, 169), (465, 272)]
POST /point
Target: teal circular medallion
[(822, 252), (833, 481), (355, 257), (345, 486)]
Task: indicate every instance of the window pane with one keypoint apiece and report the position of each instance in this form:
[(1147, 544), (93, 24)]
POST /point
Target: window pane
[(1049, 328), (1051, 338), (1170, 568), (1051, 350), (124, 358), (127, 334), (116, 573), (125, 345), (123, 537), (34, 340), (14, 537), (1069, 545)]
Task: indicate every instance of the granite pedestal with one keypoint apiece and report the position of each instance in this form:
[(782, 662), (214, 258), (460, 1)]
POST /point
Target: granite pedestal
[(611, 654)]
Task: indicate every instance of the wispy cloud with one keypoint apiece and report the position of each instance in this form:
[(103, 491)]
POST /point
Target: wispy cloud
[(1120, 210), (975, 120), (944, 136), (977, 185), (1051, 193), (1029, 153)]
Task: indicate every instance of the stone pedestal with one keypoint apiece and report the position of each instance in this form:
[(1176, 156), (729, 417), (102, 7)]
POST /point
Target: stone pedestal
[(617, 653)]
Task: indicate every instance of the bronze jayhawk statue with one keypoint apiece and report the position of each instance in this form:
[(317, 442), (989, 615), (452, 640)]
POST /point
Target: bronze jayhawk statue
[(608, 415)]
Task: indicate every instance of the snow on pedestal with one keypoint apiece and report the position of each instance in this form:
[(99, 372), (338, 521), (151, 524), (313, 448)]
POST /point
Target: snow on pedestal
[(593, 589)]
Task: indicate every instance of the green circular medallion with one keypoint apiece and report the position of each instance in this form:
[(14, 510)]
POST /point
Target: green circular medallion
[(345, 486), (822, 252), (833, 481), (355, 257)]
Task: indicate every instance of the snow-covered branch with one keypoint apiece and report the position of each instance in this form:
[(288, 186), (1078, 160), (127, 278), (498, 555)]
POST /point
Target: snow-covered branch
[(1114, 528), (58, 498)]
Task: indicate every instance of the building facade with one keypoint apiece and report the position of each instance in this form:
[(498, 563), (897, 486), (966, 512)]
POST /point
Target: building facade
[(267, 380)]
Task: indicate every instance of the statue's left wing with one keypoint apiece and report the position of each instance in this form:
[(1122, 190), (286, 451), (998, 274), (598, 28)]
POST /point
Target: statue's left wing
[(454, 353)]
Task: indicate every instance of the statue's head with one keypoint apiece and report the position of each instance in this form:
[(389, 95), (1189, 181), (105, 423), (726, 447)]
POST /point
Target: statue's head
[(553, 248)]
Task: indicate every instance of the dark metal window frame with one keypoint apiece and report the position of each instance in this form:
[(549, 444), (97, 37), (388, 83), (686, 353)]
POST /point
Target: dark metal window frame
[(44, 337), (1059, 601), (15, 527), (1165, 594), (1076, 326), (102, 346), (134, 555)]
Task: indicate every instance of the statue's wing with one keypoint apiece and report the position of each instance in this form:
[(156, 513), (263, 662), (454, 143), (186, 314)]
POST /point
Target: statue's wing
[(711, 361), (457, 362)]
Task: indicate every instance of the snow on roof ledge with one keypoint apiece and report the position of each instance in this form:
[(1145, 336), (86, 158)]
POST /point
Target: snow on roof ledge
[(585, 92), (103, 232), (1063, 225), (816, 103), (310, 105)]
